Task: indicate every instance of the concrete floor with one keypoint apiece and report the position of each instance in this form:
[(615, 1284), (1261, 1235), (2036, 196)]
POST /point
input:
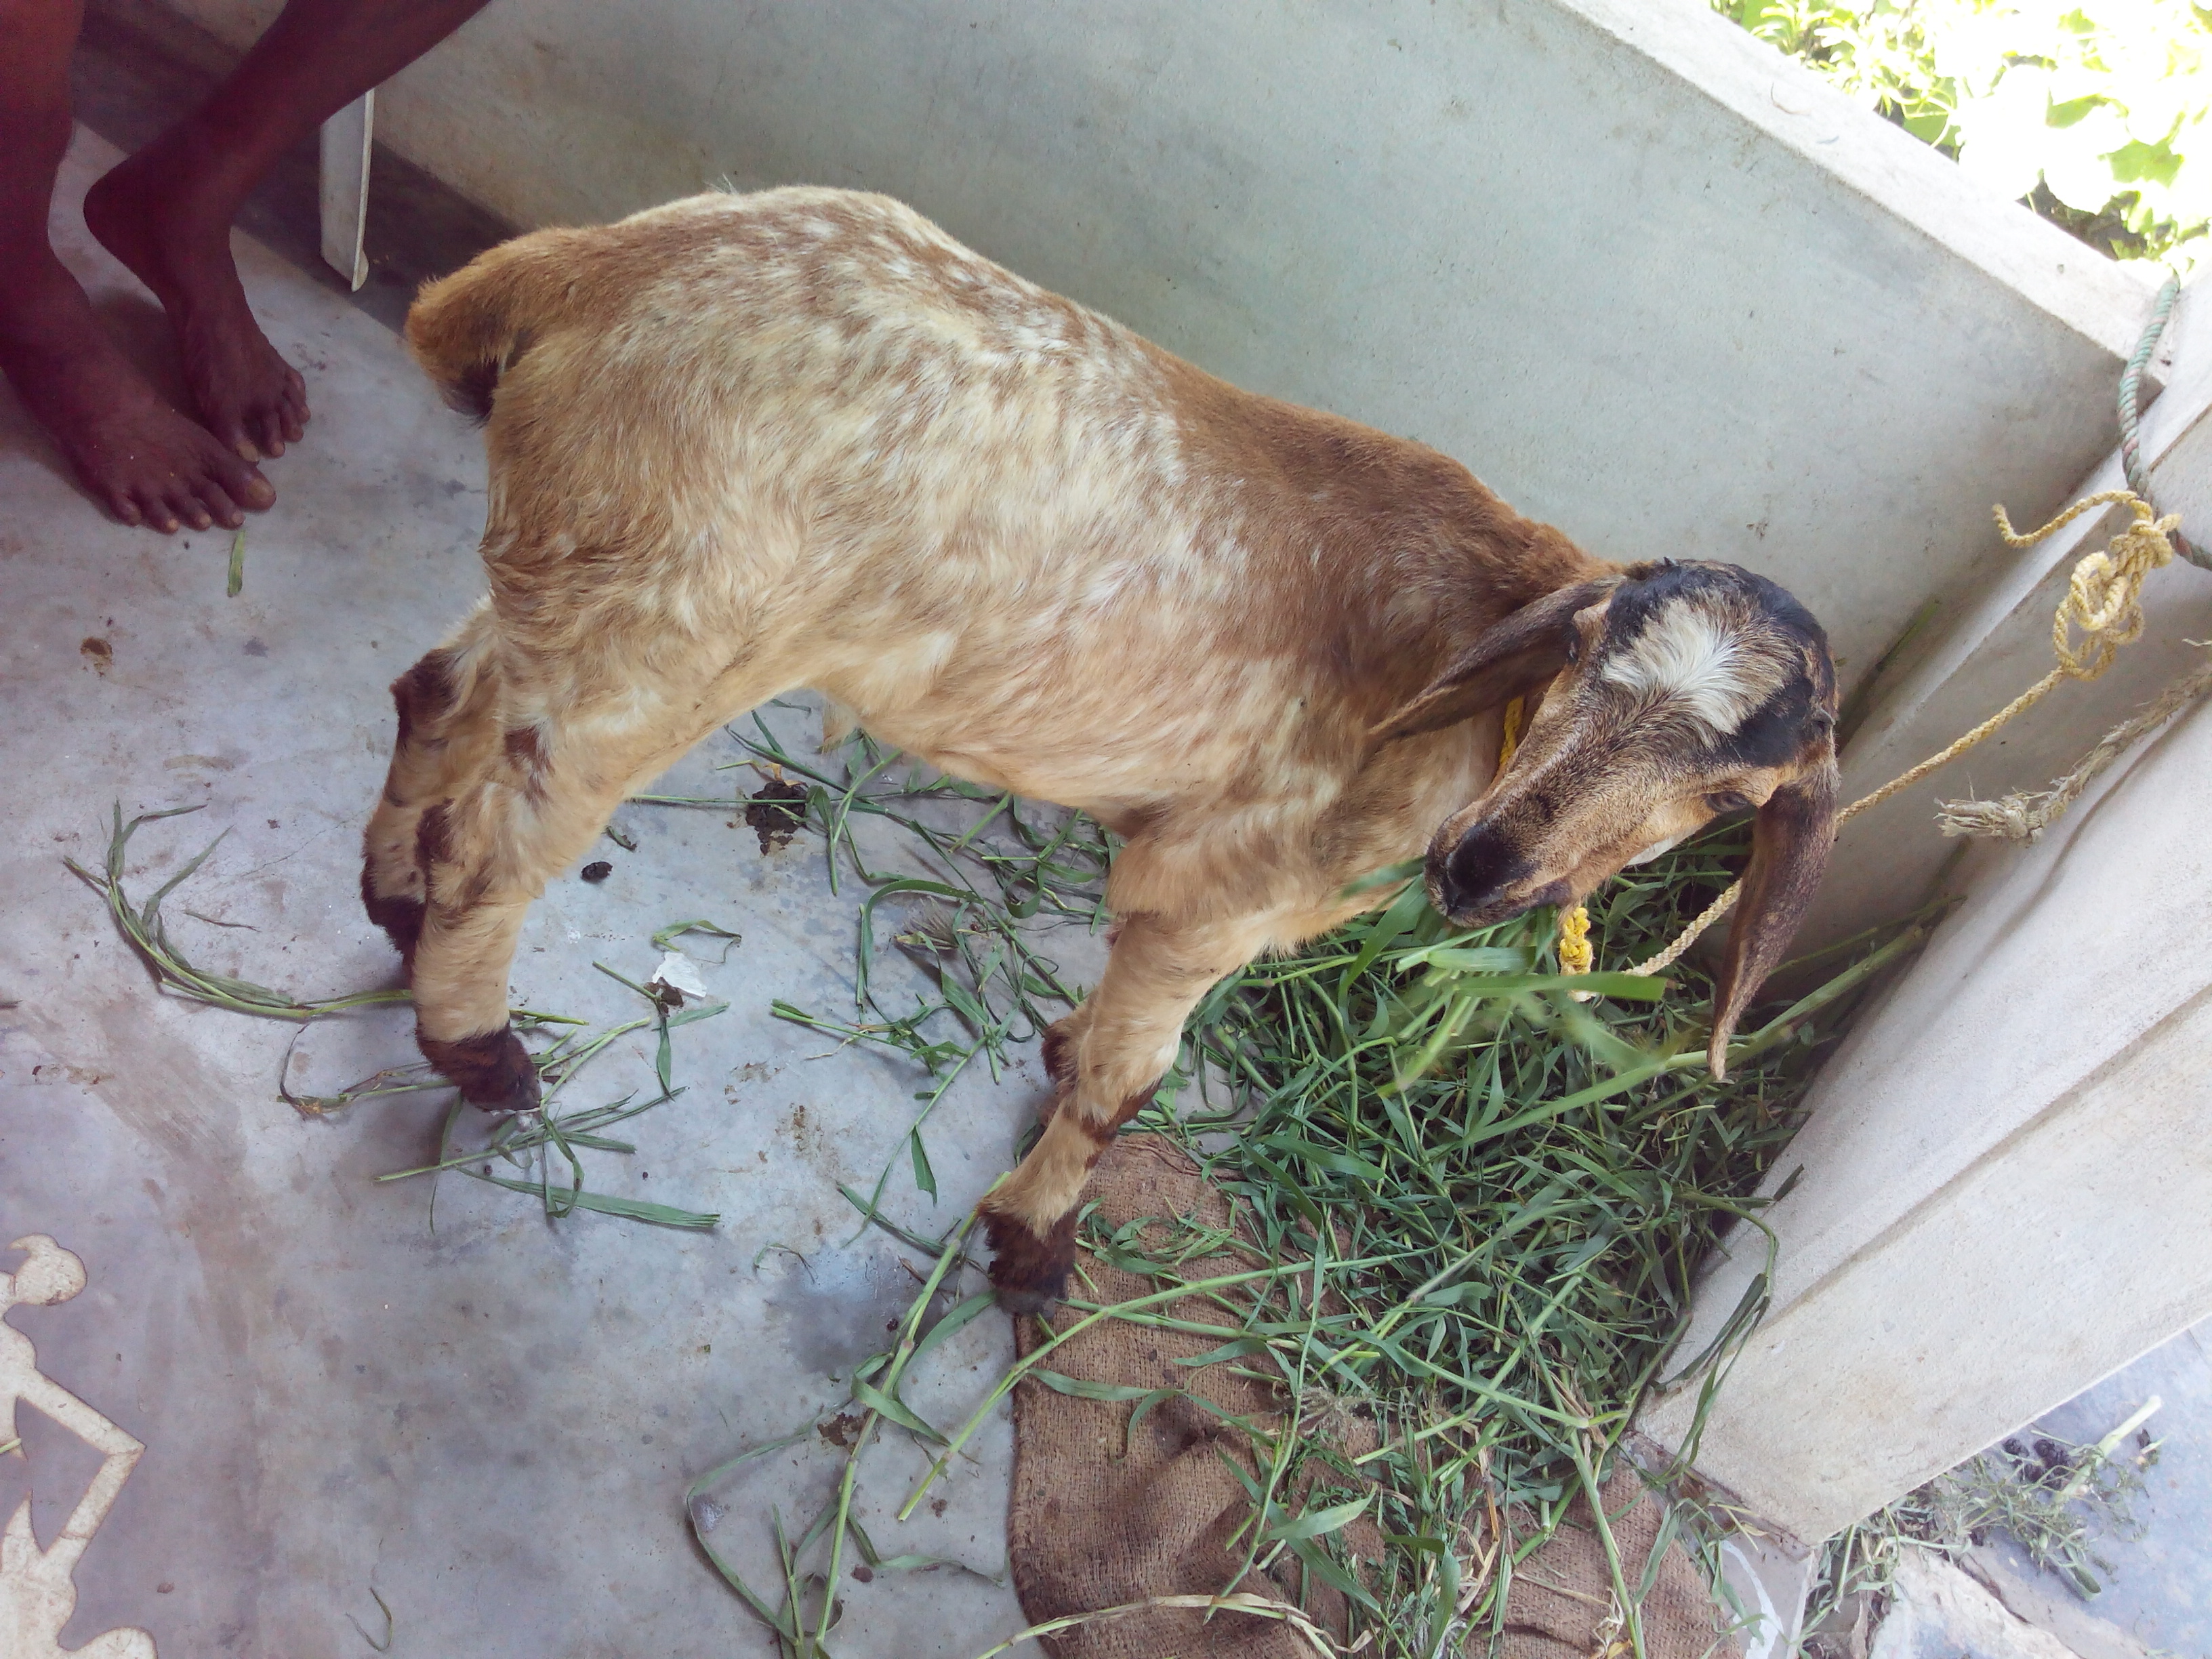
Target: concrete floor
[(2158, 1594), (488, 1422)]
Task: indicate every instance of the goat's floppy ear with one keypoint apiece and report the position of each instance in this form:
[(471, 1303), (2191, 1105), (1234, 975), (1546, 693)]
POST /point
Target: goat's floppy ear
[(1789, 843), (1512, 657)]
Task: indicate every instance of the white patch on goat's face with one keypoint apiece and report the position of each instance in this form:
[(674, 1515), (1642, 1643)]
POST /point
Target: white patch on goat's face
[(1686, 656)]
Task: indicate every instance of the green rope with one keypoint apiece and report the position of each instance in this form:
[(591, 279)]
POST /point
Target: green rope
[(2161, 312)]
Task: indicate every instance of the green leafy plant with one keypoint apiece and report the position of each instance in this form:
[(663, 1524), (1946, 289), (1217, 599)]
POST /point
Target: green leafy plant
[(2090, 114)]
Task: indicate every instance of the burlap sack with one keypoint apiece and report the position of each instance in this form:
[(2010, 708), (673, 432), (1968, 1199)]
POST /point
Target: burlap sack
[(1090, 1528), (1092, 1525), (1561, 1604)]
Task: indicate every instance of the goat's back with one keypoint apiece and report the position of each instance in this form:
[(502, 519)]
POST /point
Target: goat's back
[(1003, 530)]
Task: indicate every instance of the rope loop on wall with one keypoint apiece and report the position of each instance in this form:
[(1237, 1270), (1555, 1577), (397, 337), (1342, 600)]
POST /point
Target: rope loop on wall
[(2100, 613)]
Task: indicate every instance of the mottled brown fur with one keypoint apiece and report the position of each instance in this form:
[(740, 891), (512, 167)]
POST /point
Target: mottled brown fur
[(400, 918), (1058, 1053), (804, 439), (424, 692), (525, 747)]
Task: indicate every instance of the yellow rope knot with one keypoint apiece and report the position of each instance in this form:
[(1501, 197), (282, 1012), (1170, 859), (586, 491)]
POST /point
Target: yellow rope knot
[(2104, 599), (1509, 740)]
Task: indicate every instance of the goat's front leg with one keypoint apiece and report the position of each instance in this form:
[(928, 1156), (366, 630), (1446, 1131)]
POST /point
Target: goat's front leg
[(1113, 1050)]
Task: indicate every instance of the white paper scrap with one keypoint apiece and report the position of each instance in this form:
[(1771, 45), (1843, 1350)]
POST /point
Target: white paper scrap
[(679, 973)]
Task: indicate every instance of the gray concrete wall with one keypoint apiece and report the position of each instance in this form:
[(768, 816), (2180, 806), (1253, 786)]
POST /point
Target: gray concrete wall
[(2006, 1187), (1653, 282)]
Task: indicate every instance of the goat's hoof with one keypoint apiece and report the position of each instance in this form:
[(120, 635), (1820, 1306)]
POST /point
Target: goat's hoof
[(493, 1070), (400, 918), (1028, 1272)]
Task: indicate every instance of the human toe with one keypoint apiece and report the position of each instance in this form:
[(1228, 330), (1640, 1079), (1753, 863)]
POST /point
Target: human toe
[(235, 480), (155, 511), (219, 504), (125, 508), (186, 507), (246, 486)]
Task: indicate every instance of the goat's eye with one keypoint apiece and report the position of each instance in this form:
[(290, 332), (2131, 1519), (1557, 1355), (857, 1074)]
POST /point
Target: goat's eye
[(1574, 646), (1726, 800)]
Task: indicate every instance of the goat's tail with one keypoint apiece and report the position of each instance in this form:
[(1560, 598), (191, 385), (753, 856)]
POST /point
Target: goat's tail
[(468, 329)]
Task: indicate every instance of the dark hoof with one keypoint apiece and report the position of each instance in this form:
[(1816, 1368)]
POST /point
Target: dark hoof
[(1029, 1273), (400, 918), (493, 1070)]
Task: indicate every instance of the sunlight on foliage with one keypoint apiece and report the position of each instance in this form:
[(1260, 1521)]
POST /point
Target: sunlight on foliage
[(2090, 113)]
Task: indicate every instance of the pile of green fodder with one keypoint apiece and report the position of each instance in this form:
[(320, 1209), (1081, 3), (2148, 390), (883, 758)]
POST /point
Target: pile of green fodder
[(1537, 1177), (1474, 1200)]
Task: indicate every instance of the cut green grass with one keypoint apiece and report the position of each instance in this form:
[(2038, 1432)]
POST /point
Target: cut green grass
[(1490, 1197), (970, 925), (143, 926), (521, 1141)]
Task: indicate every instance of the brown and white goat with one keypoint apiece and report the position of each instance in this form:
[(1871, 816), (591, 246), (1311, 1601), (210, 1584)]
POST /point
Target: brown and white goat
[(744, 444)]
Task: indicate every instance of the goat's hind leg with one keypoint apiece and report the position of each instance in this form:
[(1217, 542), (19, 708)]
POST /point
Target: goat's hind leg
[(446, 705), (539, 803), (487, 853)]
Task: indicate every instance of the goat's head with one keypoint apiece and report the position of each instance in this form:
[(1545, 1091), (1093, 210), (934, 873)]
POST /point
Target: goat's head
[(1671, 695)]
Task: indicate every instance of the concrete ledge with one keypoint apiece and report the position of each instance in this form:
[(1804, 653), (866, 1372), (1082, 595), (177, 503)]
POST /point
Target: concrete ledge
[(2007, 1190), (2101, 298)]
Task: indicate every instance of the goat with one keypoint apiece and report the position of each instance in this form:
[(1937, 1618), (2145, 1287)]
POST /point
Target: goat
[(740, 445)]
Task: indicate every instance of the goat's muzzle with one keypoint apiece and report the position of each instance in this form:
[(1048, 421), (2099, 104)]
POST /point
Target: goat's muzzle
[(1482, 878)]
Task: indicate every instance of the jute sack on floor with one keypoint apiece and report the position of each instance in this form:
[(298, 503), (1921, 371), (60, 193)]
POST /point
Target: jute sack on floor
[(1561, 1605), (1092, 1525), (1089, 1526)]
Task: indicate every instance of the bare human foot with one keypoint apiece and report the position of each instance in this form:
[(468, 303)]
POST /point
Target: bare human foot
[(142, 459), (166, 212)]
